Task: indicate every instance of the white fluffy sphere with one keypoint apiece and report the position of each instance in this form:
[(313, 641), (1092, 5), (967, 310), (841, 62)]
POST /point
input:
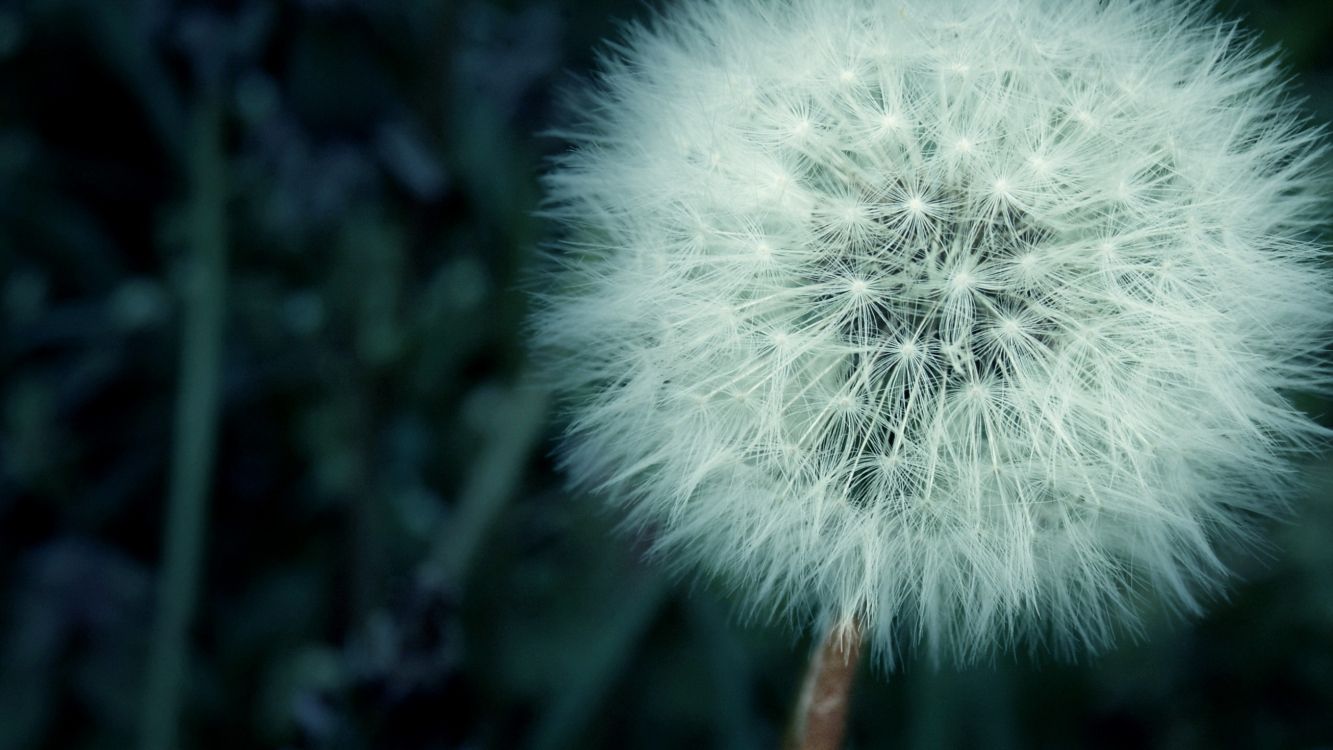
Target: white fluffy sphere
[(972, 320)]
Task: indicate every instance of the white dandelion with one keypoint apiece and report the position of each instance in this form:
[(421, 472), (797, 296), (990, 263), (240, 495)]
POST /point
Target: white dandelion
[(973, 322)]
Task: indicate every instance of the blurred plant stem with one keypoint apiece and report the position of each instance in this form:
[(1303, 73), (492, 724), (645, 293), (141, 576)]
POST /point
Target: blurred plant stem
[(203, 305), (736, 725), (607, 654), (491, 483), (933, 709), (112, 29), (819, 721)]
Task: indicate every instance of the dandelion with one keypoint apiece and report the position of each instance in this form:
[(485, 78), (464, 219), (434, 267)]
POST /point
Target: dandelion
[(967, 322)]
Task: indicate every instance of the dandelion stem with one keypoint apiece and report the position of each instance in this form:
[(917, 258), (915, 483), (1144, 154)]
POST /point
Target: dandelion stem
[(820, 719), (195, 431)]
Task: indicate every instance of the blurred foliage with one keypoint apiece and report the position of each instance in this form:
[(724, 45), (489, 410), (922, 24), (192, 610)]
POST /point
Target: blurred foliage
[(391, 559)]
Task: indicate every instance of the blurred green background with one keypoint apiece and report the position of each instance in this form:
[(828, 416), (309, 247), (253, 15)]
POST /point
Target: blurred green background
[(262, 264)]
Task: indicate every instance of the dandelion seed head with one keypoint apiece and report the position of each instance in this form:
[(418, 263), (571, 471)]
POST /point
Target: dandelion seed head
[(974, 320)]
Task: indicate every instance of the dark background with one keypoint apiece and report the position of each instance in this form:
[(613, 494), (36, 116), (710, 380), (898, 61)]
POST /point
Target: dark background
[(388, 558)]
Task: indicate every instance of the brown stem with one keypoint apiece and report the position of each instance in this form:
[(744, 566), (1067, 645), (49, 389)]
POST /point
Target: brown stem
[(820, 720)]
